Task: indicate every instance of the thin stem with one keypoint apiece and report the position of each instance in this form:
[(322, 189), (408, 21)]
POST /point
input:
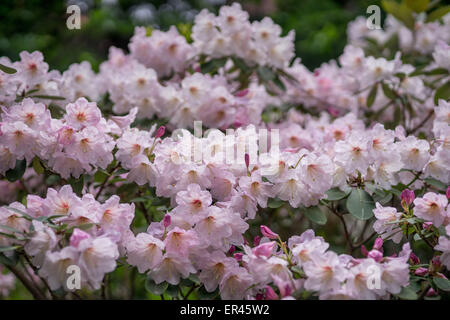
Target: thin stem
[(42, 279), (428, 117), (103, 185), (27, 283), (189, 292)]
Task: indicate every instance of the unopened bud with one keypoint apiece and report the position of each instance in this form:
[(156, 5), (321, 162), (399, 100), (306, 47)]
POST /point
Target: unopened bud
[(167, 221), (265, 249), (431, 293), (421, 272), (268, 233), (247, 160), (415, 259), (241, 93), (160, 132), (407, 196), (427, 225), (436, 261), (270, 294), (364, 251), (375, 255), (238, 256), (378, 243)]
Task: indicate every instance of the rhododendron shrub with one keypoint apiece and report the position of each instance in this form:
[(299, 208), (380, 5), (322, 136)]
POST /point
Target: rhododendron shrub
[(322, 184)]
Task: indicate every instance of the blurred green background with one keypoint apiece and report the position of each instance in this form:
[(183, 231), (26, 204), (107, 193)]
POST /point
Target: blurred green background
[(320, 25)]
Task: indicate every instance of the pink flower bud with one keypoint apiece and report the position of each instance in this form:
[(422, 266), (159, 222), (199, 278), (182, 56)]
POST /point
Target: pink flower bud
[(247, 160), (241, 93), (427, 225), (270, 293), (415, 259), (268, 233), (77, 236), (447, 193), (259, 296), (256, 240), (265, 249), (197, 69), (160, 132), (232, 249), (333, 111), (407, 196), (364, 251), (237, 124), (440, 275), (436, 261), (238, 256), (375, 255), (431, 293), (421, 271), (378, 243), (167, 221)]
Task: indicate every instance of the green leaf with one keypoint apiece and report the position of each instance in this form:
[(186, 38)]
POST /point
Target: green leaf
[(25, 215), (279, 83), (77, 184), (238, 62), (442, 92), (266, 74), (8, 248), (7, 69), (399, 11), (417, 5), (10, 261), (436, 72), (172, 291), (48, 97), (442, 283), (438, 13), (213, 65), (14, 230), (360, 204), (100, 176), (381, 196), (436, 183), (388, 92), (407, 293), (17, 172), (37, 166), (336, 194), (372, 95), (315, 214), (140, 199), (194, 278), (275, 203), (205, 295), (154, 288)]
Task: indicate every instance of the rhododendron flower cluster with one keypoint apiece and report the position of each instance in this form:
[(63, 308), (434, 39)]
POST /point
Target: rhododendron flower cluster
[(307, 184)]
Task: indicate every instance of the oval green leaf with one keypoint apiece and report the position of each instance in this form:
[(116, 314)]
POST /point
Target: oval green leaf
[(315, 214), (360, 204)]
